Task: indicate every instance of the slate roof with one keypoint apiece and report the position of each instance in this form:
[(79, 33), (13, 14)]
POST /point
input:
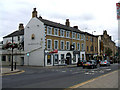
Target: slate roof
[(15, 33), (58, 25)]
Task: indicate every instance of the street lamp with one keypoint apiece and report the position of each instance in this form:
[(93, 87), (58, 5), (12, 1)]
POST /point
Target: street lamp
[(92, 44)]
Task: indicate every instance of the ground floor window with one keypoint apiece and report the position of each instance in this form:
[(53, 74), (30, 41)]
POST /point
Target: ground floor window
[(3, 58), (56, 59), (82, 56), (48, 59), (74, 58), (62, 58)]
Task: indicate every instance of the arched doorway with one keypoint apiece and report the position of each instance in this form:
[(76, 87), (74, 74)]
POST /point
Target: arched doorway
[(68, 57)]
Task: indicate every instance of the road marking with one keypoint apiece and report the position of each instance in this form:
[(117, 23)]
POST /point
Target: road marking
[(78, 85), (13, 73), (63, 71)]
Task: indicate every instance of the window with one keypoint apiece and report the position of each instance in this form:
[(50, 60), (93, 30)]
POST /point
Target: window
[(87, 38), (74, 45), (78, 36), (73, 35), (62, 33), (56, 31), (91, 48), (95, 49), (48, 59), (18, 38), (82, 47), (74, 58), (49, 30), (67, 34), (62, 58), (87, 48), (78, 46), (55, 44), (49, 44), (82, 37), (56, 59), (32, 36), (62, 45), (67, 45)]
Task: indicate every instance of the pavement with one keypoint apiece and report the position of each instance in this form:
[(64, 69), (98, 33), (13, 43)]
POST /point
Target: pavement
[(7, 71), (109, 80)]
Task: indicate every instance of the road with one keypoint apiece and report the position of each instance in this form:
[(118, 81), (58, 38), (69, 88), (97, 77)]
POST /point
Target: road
[(37, 77)]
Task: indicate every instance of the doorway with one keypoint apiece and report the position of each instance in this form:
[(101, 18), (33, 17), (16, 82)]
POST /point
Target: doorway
[(68, 57)]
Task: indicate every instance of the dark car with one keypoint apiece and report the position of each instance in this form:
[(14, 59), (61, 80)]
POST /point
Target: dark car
[(111, 61), (80, 63), (90, 64)]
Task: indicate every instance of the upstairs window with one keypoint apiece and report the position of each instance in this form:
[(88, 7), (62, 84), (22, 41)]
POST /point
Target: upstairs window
[(78, 36), (62, 33), (56, 44), (82, 37), (33, 36), (62, 45), (56, 31), (73, 35), (78, 46), (49, 44), (49, 30), (67, 34), (74, 45), (67, 45)]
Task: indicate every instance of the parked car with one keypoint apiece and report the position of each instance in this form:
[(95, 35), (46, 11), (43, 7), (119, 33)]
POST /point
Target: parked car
[(111, 61), (104, 63), (95, 63), (89, 64), (80, 63)]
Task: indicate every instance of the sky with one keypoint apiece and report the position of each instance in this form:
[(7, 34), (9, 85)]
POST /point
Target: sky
[(88, 15)]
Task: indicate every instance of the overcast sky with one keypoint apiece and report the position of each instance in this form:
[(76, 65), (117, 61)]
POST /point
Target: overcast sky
[(88, 15)]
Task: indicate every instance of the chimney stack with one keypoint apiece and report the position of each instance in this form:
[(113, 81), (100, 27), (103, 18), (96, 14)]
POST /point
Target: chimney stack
[(76, 27), (34, 13), (21, 27), (67, 23)]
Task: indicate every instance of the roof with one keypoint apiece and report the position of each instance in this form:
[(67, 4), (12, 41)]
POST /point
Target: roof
[(91, 34), (15, 33), (58, 25)]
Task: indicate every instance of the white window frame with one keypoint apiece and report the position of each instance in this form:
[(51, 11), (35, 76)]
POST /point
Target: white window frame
[(61, 32), (61, 45), (82, 36), (57, 45), (50, 45), (73, 34), (57, 31), (50, 31), (77, 46), (68, 46), (78, 35), (82, 48), (66, 34)]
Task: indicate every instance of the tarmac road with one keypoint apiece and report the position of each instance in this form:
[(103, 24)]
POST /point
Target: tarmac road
[(38, 77)]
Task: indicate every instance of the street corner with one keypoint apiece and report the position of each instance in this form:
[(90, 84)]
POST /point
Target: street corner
[(11, 72)]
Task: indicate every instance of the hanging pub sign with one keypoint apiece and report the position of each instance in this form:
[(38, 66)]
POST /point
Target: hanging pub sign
[(118, 10)]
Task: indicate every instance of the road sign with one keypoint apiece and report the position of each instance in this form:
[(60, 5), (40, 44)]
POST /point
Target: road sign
[(28, 54)]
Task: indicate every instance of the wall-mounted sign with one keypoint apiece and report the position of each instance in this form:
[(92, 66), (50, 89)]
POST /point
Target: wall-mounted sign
[(118, 10)]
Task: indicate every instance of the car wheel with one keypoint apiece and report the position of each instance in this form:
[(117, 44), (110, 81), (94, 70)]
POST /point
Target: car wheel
[(92, 67), (83, 67)]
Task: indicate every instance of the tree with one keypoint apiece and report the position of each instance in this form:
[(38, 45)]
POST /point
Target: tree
[(108, 52)]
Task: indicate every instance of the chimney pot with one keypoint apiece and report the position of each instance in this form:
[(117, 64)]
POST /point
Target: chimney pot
[(75, 27), (67, 23), (21, 27), (34, 13)]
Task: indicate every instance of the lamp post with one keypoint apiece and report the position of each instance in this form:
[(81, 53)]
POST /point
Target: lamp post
[(92, 44), (12, 57)]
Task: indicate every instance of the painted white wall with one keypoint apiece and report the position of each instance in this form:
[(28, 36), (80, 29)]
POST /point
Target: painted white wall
[(81, 55), (36, 55)]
